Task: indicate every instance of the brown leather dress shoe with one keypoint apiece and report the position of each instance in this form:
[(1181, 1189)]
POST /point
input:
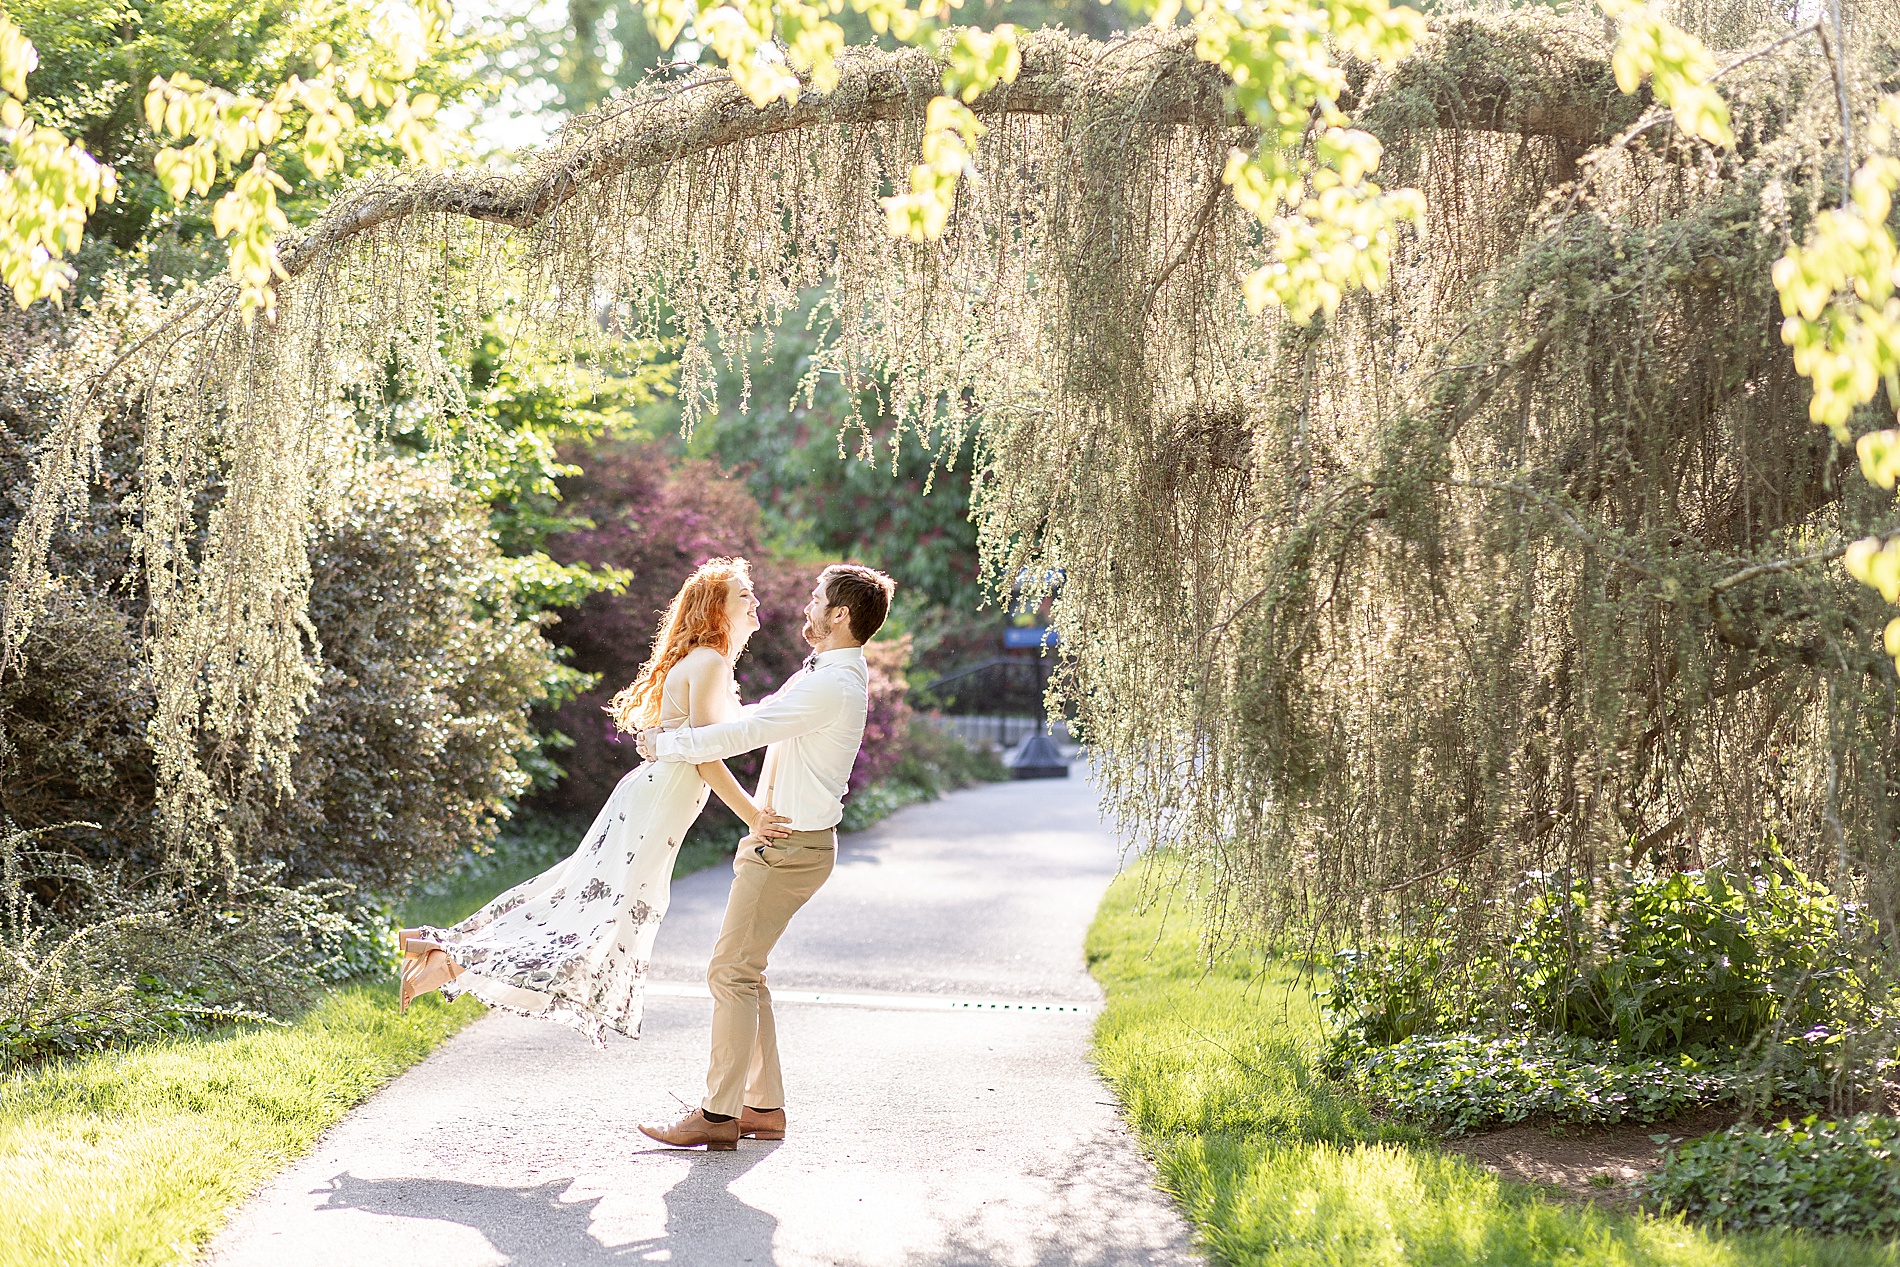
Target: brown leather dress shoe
[(769, 1124), (694, 1130)]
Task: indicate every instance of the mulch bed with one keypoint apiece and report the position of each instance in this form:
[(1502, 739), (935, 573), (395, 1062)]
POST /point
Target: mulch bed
[(1597, 1165)]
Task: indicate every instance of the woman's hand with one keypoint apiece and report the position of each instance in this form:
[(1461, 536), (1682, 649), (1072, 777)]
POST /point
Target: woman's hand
[(769, 824)]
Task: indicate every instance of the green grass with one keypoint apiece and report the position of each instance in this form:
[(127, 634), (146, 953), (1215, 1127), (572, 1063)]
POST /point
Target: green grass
[(1218, 1071), (139, 1156)]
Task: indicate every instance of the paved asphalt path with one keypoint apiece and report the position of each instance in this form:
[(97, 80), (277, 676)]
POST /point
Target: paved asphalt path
[(934, 1017)]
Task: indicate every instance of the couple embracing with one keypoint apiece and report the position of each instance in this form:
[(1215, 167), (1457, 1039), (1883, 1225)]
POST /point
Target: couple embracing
[(572, 945)]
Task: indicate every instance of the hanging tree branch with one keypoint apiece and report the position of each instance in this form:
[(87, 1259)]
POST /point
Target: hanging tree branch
[(1470, 74)]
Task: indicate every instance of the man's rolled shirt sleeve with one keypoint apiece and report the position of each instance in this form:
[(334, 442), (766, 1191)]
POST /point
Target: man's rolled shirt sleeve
[(798, 710)]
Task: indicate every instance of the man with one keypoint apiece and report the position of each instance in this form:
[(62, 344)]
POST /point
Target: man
[(813, 725)]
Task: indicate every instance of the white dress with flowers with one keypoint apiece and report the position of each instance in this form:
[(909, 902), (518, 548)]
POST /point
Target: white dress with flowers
[(573, 944)]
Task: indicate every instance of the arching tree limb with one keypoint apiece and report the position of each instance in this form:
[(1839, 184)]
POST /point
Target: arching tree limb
[(1533, 78)]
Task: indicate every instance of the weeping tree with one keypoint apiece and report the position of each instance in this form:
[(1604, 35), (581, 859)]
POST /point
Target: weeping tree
[(1529, 560)]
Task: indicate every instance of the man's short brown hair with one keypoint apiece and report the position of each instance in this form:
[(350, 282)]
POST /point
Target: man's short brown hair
[(865, 591)]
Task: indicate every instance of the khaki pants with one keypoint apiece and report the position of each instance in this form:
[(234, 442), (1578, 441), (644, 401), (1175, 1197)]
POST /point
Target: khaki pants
[(769, 884)]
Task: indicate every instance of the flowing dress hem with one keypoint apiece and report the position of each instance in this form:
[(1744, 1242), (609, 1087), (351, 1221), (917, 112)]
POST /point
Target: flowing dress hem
[(544, 1005), (571, 945), (558, 1008)]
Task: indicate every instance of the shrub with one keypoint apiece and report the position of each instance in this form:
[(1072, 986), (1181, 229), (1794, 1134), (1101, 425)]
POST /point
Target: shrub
[(1673, 991), (1383, 994), (903, 760), (72, 731), (936, 761), (407, 756), (1838, 1177), (1692, 961), (140, 957), (930, 762), (410, 750), (869, 806), (886, 714), (1698, 959), (73, 712)]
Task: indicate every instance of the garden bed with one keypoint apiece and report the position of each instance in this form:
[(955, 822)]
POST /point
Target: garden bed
[(1219, 1070), (1603, 1166)]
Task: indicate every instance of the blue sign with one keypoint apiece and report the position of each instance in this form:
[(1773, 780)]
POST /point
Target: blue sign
[(1031, 636)]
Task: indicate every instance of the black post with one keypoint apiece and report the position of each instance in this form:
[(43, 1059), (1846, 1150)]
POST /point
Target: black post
[(1038, 758)]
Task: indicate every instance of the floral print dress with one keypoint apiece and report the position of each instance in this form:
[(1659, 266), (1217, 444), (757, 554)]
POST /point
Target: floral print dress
[(572, 945)]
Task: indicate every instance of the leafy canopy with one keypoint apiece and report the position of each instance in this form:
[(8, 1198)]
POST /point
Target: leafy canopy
[(244, 100), (1330, 224), (49, 189)]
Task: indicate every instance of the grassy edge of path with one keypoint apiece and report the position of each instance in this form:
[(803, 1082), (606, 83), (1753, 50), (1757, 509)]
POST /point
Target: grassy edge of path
[(140, 1156), (1216, 1069)]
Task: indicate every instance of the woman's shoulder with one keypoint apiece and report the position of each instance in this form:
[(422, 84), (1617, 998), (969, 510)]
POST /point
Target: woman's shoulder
[(703, 660)]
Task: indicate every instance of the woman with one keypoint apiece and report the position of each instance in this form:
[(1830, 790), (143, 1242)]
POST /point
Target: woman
[(572, 944)]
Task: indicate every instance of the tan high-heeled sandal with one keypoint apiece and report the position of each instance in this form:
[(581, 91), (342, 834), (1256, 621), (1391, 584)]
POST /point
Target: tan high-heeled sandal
[(414, 949), (427, 971)]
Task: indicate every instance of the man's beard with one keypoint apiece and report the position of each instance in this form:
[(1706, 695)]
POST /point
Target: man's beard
[(809, 633)]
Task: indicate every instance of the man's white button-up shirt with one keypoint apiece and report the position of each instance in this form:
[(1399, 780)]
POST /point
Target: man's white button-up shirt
[(812, 724)]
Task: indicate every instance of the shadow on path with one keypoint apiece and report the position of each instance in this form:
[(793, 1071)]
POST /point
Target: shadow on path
[(533, 1227)]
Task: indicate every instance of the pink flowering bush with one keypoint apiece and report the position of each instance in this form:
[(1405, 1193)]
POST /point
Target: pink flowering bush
[(887, 716)]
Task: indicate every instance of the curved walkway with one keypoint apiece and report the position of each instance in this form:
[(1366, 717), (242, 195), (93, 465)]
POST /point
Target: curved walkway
[(934, 1015)]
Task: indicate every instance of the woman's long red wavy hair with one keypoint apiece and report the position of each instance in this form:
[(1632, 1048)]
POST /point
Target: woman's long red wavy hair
[(695, 618)]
